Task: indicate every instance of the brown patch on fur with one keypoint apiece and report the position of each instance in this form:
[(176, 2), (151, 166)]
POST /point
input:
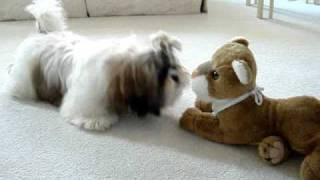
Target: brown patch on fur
[(142, 86), (51, 95), (117, 97), (130, 79), (296, 120)]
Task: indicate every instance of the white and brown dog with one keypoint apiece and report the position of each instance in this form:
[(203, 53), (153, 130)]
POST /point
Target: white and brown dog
[(95, 81)]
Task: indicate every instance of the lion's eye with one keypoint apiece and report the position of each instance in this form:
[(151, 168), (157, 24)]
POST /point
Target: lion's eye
[(214, 74)]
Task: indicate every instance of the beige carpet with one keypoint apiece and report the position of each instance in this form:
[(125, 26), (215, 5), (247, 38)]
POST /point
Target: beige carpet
[(37, 144)]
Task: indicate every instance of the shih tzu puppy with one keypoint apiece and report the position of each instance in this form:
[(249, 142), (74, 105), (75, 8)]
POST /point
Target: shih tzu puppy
[(95, 81)]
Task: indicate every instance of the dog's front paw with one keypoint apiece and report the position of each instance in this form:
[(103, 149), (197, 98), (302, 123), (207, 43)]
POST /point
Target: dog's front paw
[(188, 117), (97, 124), (273, 150)]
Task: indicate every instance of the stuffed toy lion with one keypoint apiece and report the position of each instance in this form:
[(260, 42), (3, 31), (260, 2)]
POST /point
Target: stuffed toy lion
[(231, 109)]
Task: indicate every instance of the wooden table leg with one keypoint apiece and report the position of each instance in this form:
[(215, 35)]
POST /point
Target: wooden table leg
[(260, 9)]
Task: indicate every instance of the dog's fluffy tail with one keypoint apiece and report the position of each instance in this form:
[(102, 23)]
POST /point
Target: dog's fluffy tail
[(49, 15)]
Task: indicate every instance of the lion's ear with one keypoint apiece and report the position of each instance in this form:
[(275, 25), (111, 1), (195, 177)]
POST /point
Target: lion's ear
[(241, 40), (243, 71)]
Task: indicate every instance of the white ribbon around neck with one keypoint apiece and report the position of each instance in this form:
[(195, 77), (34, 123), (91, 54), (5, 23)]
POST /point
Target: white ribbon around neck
[(219, 105)]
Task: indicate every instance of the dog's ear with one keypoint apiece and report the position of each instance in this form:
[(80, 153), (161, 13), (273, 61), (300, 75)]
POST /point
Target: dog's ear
[(241, 40), (243, 71), (161, 40)]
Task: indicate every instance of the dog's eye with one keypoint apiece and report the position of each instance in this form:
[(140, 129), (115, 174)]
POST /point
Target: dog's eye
[(215, 75), (175, 78)]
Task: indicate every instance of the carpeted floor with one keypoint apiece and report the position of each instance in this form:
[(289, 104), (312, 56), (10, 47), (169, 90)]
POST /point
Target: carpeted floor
[(37, 144)]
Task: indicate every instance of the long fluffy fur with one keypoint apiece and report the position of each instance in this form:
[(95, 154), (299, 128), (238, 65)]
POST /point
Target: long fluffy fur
[(96, 81)]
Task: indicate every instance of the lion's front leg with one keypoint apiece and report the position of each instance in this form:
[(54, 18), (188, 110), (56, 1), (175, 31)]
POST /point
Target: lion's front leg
[(203, 106), (202, 124)]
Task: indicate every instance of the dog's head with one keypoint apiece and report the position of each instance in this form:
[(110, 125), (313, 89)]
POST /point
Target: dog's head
[(152, 80), (231, 72)]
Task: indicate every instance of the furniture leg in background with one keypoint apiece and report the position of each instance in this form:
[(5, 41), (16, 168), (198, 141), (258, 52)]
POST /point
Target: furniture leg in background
[(260, 8), (248, 2), (316, 2), (271, 9)]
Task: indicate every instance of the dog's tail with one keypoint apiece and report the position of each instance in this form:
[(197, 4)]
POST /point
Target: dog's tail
[(49, 15)]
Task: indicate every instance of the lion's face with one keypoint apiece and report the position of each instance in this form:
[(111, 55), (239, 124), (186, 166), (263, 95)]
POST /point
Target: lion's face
[(229, 74)]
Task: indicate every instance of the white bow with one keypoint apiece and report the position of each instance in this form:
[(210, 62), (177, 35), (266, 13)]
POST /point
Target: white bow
[(258, 96), (219, 105)]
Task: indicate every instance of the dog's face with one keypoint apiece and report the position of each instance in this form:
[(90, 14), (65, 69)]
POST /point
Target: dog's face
[(152, 80), (231, 73)]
